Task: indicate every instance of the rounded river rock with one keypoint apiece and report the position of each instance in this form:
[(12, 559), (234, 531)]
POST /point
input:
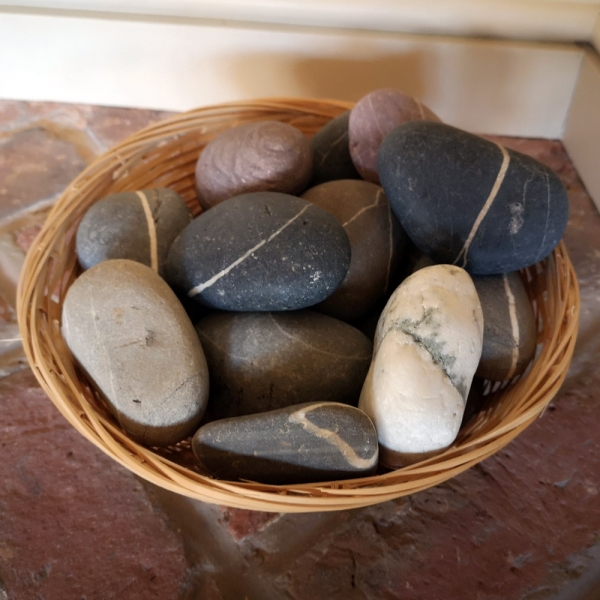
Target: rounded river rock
[(264, 361), (317, 441), (427, 348), (376, 238), (331, 152), (468, 201), (129, 332), (138, 226), (260, 252), (373, 117), (262, 156), (509, 332)]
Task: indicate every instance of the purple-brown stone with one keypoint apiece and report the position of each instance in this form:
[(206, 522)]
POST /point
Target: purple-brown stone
[(254, 157), (373, 117)]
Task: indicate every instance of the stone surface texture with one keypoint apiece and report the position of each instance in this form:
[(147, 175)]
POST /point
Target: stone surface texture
[(316, 441), (264, 361), (130, 334), (522, 525), (426, 350), (254, 157)]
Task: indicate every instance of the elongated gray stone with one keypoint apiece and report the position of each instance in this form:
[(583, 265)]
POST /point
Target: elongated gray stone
[(317, 441), (510, 332), (138, 226), (131, 335), (260, 252), (427, 348), (264, 361)]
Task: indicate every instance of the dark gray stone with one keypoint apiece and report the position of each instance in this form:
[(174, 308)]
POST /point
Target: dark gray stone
[(331, 152), (438, 180), (262, 156), (117, 227), (264, 361), (317, 441), (509, 327), (377, 241), (373, 117), (131, 335), (260, 252)]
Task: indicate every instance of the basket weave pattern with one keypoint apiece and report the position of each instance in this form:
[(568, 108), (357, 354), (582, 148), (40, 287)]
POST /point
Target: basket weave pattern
[(164, 155)]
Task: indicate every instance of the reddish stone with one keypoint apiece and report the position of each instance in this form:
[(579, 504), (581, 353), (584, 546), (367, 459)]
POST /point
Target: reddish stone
[(243, 523), (74, 523)]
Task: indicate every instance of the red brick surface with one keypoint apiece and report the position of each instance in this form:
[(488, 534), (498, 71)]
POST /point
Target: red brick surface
[(74, 524)]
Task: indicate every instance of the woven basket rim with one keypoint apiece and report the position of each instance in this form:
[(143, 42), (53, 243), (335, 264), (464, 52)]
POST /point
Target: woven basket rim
[(50, 266)]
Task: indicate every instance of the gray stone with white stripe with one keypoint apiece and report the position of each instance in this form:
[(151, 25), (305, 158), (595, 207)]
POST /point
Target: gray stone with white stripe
[(510, 332), (316, 441), (465, 200), (260, 251), (139, 226)]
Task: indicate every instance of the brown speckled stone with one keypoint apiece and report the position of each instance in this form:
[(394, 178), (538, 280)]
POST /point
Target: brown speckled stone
[(377, 241), (373, 117), (262, 156)]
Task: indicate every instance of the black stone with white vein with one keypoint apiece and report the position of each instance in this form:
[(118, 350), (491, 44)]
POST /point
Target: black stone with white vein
[(316, 441), (440, 180), (258, 252)]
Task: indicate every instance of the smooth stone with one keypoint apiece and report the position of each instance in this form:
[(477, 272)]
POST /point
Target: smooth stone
[(261, 156), (128, 331), (118, 226), (510, 331), (331, 152), (372, 118), (376, 239), (260, 252), (265, 361), (316, 441), (426, 351), (439, 181)]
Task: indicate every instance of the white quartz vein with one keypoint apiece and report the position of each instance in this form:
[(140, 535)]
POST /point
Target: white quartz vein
[(514, 323), (151, 231), (364, 209), (202, 286), (314, 348), (488, 203)]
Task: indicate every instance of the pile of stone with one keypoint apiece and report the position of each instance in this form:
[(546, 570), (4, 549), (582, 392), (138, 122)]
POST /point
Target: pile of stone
[(327, 312)]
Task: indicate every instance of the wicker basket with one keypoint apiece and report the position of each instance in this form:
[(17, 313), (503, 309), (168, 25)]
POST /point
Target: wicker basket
[(165, 155)]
